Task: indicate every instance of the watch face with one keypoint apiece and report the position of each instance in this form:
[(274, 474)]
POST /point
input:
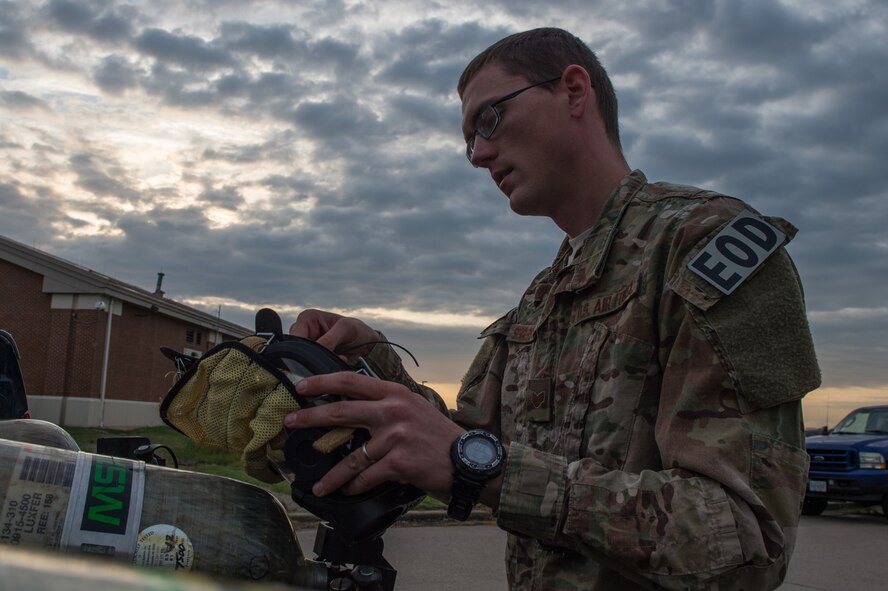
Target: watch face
[(479, 451)]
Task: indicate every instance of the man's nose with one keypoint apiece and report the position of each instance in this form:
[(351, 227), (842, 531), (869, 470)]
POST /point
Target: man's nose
[(483, 152)]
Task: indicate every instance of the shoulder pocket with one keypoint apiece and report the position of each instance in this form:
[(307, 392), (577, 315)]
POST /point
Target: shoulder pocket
[(761, 334)]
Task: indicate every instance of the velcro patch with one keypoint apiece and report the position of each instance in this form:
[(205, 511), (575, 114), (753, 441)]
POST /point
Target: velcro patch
[(735, 252)]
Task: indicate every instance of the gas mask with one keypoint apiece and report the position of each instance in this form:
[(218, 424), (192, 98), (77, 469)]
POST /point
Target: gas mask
[(236, 396)]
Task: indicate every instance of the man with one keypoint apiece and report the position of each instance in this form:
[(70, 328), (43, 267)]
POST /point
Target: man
[(646, 389)]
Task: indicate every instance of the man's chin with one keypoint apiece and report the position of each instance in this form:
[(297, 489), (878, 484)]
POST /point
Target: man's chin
[(522, 209), (521, 205)]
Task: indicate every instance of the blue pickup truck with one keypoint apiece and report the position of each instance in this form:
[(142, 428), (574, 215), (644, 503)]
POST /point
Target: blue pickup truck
[(849, 462)]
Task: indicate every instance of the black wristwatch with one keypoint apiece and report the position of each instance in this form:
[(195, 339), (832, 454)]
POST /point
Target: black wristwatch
[(477, 458)]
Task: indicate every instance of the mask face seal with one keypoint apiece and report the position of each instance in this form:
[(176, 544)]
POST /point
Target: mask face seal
[(236, 395)]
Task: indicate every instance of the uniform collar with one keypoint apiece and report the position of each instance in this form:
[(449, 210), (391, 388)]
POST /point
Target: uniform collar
[(588, 262)]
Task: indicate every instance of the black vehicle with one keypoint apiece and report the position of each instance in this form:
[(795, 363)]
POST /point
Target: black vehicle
[(13, 401)]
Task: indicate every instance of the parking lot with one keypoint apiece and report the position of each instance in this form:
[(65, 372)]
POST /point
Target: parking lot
[(840, 552), (834, 553)]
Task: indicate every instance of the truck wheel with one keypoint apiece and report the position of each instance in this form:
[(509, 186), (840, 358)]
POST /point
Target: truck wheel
[(814, 506), (885, 505)]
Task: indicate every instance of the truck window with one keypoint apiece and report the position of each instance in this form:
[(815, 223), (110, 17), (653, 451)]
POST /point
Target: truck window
[(877, 423), (853, 424)]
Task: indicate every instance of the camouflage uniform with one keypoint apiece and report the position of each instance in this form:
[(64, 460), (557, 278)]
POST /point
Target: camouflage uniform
[(653, 424)]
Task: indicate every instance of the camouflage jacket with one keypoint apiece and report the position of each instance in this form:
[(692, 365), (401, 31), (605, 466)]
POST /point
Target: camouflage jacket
[(653, 423)]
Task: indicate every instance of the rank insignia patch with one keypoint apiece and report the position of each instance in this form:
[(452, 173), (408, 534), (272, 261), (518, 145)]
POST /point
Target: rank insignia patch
[(539, 400)]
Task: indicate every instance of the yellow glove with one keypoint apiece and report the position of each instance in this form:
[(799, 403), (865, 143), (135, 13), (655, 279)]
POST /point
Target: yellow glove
[(231, 399)]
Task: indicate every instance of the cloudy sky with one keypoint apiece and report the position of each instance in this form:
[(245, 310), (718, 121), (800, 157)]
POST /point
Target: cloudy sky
[(308, 154)]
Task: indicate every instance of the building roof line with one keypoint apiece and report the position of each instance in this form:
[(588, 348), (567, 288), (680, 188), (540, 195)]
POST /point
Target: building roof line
[(62, 276)]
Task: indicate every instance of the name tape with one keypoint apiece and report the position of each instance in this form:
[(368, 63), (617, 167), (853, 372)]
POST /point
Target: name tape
[(739, 249)]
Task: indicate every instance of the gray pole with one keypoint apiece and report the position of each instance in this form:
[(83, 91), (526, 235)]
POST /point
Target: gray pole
[(105, 354)]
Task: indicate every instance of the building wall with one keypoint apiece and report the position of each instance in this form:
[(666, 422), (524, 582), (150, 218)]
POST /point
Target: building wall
[(137, 370), (73, 411), (72, 365), (61, 338), (25, 314)]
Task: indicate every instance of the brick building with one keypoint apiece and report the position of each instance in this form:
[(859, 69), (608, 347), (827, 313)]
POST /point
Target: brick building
[(90, 343)]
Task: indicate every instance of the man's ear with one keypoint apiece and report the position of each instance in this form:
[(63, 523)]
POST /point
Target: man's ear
[(580, 93)]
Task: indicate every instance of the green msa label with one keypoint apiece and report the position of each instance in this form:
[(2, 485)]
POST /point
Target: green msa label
[(108, 494), (105, 506)]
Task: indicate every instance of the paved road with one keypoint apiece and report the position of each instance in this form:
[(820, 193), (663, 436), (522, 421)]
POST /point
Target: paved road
[(840, 553), (441, 558), (834, 553)]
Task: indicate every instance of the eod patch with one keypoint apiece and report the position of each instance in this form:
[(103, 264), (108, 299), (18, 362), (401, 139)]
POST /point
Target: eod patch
[(736, 252)]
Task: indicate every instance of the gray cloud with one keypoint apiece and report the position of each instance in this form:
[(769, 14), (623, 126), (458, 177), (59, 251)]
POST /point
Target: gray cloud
[(31, 212), (419, 117), (14, 42), (16, 100), (115, 74), (16, 208), (97, 19), (102, 179), (430, 54), (768, 33), (275, 41), (226, 198), (338, 122), (331, 137), (186, 51), (278, 149), (175, 88)]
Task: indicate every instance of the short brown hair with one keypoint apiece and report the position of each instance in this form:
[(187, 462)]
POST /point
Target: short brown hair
[(540, 54)]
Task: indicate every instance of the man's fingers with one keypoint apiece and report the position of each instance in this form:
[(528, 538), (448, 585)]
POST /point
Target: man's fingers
[(344, 383), (360, 410), (312, 324), (356, 473), (346, 336), (339, 334), (333, 414), (366, 480)]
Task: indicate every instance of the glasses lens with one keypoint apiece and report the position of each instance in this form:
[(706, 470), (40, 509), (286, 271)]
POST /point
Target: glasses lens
[(486, 122)]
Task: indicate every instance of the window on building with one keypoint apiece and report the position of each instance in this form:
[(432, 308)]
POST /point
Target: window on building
[(193, 336)]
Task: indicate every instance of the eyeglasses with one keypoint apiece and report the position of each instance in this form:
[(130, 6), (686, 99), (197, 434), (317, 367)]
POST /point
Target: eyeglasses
[(488, 118)]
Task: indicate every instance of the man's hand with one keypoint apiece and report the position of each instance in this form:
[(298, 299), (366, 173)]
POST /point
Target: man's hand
[(349, 337), (410, 439)]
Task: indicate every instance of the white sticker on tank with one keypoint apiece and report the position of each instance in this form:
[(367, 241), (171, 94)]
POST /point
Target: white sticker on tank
[(164, 545)]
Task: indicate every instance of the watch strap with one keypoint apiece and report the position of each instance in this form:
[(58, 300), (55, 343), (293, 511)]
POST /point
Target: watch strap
[(463, 497), (470, 477)]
